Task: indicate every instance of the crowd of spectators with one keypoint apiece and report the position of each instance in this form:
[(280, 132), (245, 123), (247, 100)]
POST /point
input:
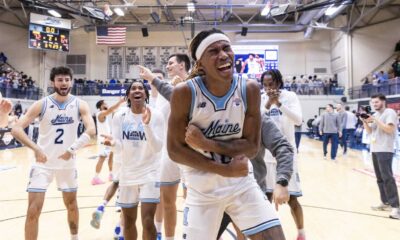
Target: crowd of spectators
[(15, 84), (313, 85)]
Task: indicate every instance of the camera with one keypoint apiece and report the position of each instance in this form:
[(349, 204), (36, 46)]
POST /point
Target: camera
[(366, 112)]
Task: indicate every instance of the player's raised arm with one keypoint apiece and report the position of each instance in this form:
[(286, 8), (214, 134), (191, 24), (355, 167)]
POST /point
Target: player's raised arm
[(180, 152), (103, 114)]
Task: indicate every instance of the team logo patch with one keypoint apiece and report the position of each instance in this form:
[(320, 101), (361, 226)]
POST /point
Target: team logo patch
[(7, 138), (237, 102)]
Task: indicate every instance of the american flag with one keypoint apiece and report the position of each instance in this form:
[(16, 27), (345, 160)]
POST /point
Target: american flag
[(110, 35)]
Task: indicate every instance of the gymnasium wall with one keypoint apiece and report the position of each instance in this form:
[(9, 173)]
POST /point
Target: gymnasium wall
[(373, 45), (296, 56)]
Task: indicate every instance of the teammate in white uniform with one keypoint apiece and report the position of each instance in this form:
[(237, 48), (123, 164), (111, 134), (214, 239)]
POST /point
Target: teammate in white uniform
[(178, 66), (214, 128), (284, 108), (137, 132), (103, 119), (55, 151)]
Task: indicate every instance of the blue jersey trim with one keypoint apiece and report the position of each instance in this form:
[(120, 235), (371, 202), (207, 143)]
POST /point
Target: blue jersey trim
[(243, 90), (218, 102), (63, 105), (193, 90)]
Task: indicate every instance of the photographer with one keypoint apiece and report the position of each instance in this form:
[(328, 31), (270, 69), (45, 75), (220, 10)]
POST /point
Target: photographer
[(382, 127)]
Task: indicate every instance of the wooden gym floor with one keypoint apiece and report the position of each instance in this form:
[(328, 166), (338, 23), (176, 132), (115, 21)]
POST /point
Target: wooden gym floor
[(336, 202)]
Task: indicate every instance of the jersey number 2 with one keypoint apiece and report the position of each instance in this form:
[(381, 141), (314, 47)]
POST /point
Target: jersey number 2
[(58, 138)]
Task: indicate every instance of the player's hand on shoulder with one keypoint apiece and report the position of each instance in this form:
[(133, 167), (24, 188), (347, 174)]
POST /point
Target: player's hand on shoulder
[(146, 117), (238, 167), (40, 156), (65, 156)]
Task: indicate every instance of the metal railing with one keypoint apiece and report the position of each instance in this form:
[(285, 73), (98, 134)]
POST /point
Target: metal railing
[(33, 93), (390, 87)]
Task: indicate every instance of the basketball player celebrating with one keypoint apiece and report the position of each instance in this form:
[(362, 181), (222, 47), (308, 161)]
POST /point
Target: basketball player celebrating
[(103, 119), (214, 128), (177, 67), (55, 151), (284, 108), (137, 132)]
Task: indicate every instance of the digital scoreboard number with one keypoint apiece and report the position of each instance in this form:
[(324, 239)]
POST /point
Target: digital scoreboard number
[(48, 38)]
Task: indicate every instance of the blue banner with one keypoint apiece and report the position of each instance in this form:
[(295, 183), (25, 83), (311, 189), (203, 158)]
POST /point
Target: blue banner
[(111, 90)]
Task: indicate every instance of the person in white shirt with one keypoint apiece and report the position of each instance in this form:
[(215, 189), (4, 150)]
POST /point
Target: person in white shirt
[(55, 152), (103, 118), (350, 127), (138, 133), (284, 108)]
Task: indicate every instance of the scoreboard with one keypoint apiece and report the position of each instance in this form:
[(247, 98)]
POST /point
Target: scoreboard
[(48, 37)]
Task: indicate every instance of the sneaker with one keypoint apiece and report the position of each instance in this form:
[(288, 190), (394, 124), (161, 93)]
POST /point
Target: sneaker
[(381, 207), (96, 218), (97, 181), (301, 237), (395, 214), (110, 177), (324, 157), (159, 236)]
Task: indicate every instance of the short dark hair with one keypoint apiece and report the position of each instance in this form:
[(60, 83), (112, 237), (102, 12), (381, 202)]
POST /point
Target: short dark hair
[(146, 90), (157, 70), (60, 71), (331, 105), (99, 104), (347, 108), (276, 77), (251, 54), (380, 96), (180, 57)]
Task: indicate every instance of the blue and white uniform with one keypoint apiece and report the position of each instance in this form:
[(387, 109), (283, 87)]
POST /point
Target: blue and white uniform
[(58, 130), (210, 195), (139, 145)]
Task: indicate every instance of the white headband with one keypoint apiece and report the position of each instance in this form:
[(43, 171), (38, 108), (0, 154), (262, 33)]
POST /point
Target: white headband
[(215, 37)]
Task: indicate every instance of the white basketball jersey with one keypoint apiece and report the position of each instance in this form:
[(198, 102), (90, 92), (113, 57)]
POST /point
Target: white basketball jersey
[(58, 130), (103, 127), (219, 118)]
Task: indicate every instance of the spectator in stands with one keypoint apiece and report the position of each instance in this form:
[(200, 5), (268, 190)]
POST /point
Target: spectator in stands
[(287, 85), (326, 87), (311, 85), (18, 109), (396, 66), (306, 87), (382, 77), (293, 86), (112, 81)]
